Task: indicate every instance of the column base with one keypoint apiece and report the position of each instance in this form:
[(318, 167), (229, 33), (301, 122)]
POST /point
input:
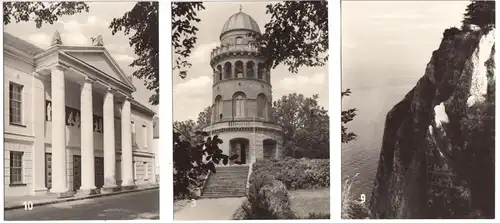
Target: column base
[(129, 187), (110, 189), (61, 195), (87, 192)]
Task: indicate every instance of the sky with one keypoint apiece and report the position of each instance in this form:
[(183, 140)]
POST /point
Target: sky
[(77, 30), (193, 94), (384, 42)]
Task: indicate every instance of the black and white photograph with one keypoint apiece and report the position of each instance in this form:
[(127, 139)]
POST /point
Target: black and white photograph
[(418, 109), (81, 97), (250, 110)]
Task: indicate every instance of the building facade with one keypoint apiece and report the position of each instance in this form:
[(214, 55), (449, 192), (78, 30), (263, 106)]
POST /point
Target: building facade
[(242, 114), (70, 122)]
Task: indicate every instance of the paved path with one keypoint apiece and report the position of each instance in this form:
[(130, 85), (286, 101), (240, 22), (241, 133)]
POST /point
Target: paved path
[(210, 209), (129, 206)]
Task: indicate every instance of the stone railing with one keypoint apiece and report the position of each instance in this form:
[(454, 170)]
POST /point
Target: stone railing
[(236, 48), (243, 123)]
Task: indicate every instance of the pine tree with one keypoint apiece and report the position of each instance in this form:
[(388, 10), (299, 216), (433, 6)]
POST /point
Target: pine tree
[(480, 13)]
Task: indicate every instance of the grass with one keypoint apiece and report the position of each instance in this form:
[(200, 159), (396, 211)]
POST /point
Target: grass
[(308, 202), (352, 208)]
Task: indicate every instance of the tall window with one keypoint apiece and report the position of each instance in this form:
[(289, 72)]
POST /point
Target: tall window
[(15, 103), (261, 105), (145, 133), (239, 105), (16, 167), (218, 108), (134, 135)]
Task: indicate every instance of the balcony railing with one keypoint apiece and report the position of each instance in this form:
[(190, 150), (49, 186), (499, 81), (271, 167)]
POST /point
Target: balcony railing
[(232, 124), (237, 48)]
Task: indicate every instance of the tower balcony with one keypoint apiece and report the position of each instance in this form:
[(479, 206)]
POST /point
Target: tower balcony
[(236, 49), (243, 125)]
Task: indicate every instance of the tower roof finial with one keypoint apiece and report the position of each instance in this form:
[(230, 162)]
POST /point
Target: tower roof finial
[(241, 7)]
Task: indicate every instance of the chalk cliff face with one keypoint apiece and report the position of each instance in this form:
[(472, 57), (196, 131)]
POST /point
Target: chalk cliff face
[(437, 154)]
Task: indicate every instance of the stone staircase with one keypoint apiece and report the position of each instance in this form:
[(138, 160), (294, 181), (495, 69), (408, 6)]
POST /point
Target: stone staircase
[(229, 181)]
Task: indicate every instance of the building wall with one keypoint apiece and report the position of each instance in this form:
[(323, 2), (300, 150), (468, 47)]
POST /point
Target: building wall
[(34, 136), (259, 139)]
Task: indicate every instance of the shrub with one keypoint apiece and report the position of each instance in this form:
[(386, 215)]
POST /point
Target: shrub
[(267, 199), (352, 208), (295, 173)]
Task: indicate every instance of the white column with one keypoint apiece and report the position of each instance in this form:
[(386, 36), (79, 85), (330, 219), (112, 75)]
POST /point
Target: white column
[(109, 140), (59, 178), (39, 117), (127, 159), (87, 139)]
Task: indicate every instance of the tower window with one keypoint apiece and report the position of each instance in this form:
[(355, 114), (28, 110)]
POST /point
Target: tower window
[(227, 70), (239, 104), (239, 69), (250, 69), (261, 105), (239, 40), (261, 70)]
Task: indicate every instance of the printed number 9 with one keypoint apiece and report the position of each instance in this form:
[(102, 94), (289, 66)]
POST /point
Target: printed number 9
[(363, 198)]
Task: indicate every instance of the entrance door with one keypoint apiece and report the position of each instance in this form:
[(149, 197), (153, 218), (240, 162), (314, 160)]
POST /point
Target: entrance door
[(99, 172), (243, 153), (77, 172)]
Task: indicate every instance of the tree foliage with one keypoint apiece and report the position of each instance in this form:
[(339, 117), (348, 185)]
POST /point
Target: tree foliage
[(480, 13), (40, 12), (184, 18), (296, 35), (142, 24), (205, 117), (192, 158), (347, 116), (306, 126)]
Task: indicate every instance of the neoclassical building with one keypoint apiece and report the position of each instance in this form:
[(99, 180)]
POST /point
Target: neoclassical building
[(70, 121), (242, 114)]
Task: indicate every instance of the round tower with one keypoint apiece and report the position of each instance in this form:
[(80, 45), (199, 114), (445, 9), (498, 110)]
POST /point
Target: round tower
[(242, 114)]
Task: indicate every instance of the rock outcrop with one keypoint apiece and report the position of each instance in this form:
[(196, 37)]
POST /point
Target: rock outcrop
[(437, 154)]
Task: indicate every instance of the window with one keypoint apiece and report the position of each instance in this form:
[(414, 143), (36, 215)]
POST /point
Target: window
[(239, 40), (261, 105), (145, 131), (239, 106), (146, 173), (16, 167), (134, 138), (15, 103)]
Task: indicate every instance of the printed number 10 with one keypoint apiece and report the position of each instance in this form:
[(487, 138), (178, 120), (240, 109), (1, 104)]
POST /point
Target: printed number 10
[(28, 205)]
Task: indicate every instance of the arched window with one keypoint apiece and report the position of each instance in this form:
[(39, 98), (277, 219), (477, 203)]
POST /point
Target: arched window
[(261, 71), (219, 72), (227, 70), (239, 40), (239, 69), (268, 76), (261, 105), (239, 104), (250, 69), (218, 108)]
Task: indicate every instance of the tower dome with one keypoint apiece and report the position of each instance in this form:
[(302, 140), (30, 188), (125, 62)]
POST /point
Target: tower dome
[(240, 21)]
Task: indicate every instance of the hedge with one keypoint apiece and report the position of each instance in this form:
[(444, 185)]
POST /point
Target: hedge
[(295, 173)]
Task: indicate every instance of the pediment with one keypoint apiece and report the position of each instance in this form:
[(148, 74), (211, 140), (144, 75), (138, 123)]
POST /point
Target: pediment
[(102, 61)]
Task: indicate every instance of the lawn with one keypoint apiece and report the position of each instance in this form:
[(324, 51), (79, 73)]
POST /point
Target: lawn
[(309, 201)]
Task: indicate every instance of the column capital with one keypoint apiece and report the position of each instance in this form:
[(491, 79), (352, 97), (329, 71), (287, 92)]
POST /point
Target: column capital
[(111, 90), (90, 80), (60, 66), (128, 98)]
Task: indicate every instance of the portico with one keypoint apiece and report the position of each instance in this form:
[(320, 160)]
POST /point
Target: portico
[(62, 64)]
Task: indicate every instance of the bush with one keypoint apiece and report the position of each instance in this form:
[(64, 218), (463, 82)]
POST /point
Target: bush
[(295, 173), (351, 207), (267, 199)]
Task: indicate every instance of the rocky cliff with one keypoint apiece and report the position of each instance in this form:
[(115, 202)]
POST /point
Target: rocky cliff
[(437, 154)]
